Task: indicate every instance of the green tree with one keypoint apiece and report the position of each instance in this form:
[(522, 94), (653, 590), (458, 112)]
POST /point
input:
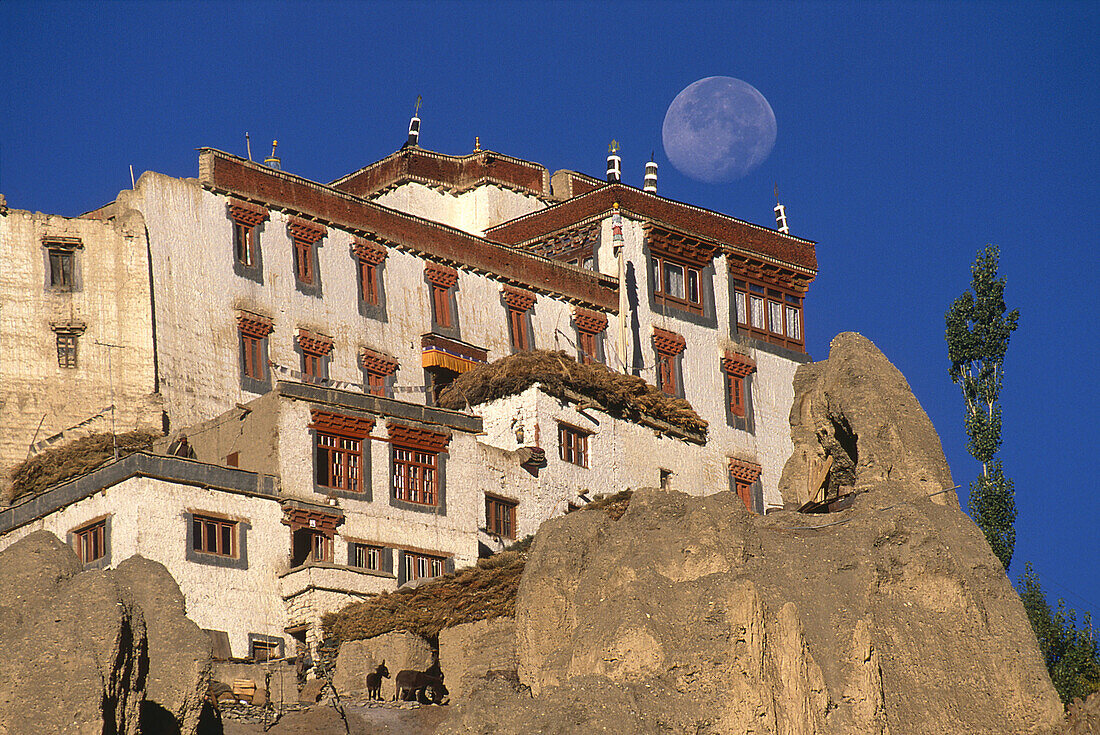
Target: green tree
[(1072, 654), (978, 330)]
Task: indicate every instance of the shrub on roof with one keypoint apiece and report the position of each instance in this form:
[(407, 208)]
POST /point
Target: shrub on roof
[(623, 396), (61, 463)]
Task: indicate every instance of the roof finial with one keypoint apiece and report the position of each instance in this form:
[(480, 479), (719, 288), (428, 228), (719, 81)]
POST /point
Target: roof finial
[(780, 214), (272, 161), (650, 175), (477, 143), (414, 125), (614, 163)]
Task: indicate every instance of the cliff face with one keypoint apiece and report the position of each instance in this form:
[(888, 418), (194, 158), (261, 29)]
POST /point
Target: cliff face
[(690, 615)]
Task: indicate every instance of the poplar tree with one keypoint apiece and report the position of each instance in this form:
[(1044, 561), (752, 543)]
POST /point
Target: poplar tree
[(978, 330)]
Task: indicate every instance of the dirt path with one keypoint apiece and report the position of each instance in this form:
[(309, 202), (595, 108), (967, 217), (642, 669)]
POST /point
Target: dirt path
[(323, 720)]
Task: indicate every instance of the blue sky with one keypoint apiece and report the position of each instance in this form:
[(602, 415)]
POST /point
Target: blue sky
[(909, 135)]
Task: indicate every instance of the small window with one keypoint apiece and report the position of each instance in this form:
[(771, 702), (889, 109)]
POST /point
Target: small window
[(313, 366), (303, 262), (573, 445), (500, 516), (339, 462), (365, 556), (244, 243), (736, 386), (66, 350), (587, 347), (90, 542), (214, 536), (424, 566), (666, 373), (255, 366), (376, 383), (61, 269), (517, 328), (264, 649), (415, 474), (677, 284), (368, 282), (441, 306), (744, 491)]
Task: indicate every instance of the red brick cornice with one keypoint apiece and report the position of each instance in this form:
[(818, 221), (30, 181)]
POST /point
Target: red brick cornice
[(377, 363), (314, 344), (746, 471), (247, 213), (353, 426), (254, 325), (667, 342), (737, 364), (518, 299), (440, 275), (413, 436), (367, 251), (592, 322), (305, 231)]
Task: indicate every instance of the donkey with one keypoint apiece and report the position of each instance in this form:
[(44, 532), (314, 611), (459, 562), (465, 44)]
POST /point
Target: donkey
[(416, 685), (374, 681)]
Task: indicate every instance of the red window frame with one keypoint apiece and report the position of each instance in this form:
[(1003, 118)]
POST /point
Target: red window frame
[(415, 475), (589, 354), (313, 365), (376, 383), (365, 556), (736, 384), (320, 547), (244, 243), (692, 300), (339, 461), (425, 566), (500, 516), (303, 261), (368, 281), (769, 313), (253, 356), (666, 373), (517, 326), (441, 305), (91, 541), (217, 536), (573, 445), (744, 491)]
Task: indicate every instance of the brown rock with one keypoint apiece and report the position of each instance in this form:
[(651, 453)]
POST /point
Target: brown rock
[(468, 652), (179, 651), (689, 615), (311, 692), (400, 650), (73, 644)]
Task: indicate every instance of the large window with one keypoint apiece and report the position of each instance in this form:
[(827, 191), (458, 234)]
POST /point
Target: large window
[(424, 566), (414, 475), (216, 536), (90, 542), (573, 445), (677, 283), (339, 462), (500, 516), (365, 556), (769, 313)]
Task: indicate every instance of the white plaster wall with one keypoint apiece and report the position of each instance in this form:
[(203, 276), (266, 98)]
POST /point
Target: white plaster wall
[(473, 211), (37, 397), (148, 518)]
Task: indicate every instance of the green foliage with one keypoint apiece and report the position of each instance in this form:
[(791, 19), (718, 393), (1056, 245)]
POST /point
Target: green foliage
[(1072, 654), (978, 330)]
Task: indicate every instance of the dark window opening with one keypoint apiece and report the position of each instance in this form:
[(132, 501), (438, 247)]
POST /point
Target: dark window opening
[(91, 542), (500, 516), (61, 269), (214, 536), (573, 445), (415, 475)]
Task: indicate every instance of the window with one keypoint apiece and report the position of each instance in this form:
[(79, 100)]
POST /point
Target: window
[(500, 516), (743, 476), (254, 330), (264, 647), (320, 547), (442, 281), (365, 556), (368, 281), (573, 445), (90, 542), (736, 384), (315, 349), (370, 260), (677, 283), (738, 368), (246, 219), (414, 475), (215, 536), (590, 325), (768, 313), (378, 369), (304, 236), (518, 305), (61, 269), (244, 243), (339, 462), (669, 348), (66, 349), (424, 566)]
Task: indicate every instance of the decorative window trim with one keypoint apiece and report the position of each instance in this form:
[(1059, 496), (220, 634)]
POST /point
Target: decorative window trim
[(378, 372), (738, 370), (370, 267), (443, 287), (590, 326), (68, 354), (745, 483), (239, 561), (415, 440), (305, 236), (253, 332), (75, 539), (354, 461), (777, 303), (246, 219), (573, 444), (669, 348), (60, 279), (314, 347), (440, 275), (518, 305)]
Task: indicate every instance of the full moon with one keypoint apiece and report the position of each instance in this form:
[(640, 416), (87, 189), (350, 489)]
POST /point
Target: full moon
[(718, 129)]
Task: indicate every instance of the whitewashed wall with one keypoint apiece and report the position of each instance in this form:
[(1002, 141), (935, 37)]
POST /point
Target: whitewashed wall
[(474, 210)]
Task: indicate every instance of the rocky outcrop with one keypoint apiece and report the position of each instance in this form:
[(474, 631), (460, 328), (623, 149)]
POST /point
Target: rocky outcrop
[(470, 653), (179, 652), (1083, 716), (691, 615), (74, 644), (96, 651), (400, 650), (857, 409)]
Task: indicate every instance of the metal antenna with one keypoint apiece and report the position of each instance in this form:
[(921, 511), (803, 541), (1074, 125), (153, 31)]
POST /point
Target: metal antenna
[(248, 144), (416, 112)]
